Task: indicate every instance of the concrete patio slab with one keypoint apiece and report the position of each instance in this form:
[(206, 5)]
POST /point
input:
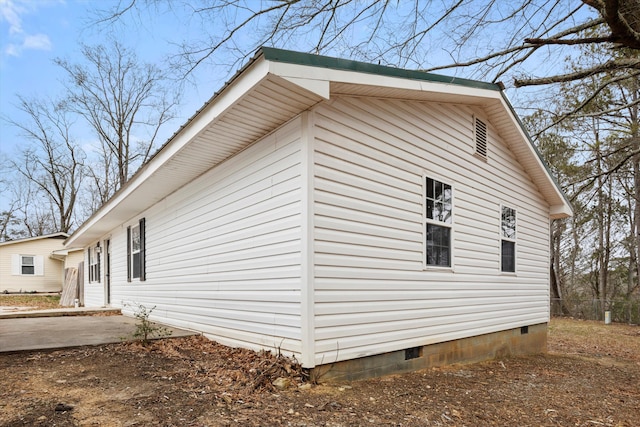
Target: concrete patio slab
[(46, 333)]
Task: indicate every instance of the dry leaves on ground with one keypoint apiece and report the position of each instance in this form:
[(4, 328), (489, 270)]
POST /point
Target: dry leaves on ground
[(590, 377)]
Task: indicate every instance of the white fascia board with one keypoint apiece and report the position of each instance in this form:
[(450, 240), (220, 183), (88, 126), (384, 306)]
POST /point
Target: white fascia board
[(220, 103), (557, 210), (318, 87), (560, 211), (29, 239), (310, 78)]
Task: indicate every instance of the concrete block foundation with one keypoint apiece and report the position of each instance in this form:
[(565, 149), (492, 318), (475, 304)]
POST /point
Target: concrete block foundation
[(526, 340)]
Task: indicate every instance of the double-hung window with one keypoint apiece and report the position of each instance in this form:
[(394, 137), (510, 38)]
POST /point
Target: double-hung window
[(94, 264), (27, 265), (438, 219), (136, 251), (508, 240)]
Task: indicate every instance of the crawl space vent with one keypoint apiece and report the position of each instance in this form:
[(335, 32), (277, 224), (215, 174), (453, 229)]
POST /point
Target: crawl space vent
[(412, 353), (481, 138)]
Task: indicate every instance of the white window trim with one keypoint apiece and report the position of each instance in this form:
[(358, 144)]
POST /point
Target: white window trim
[(501, 237), (426, 221), (16, 265), (22, 265), (133, 251), (93, 255)]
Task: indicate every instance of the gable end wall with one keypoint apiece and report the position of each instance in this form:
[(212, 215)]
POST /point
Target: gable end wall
[(372, 293)]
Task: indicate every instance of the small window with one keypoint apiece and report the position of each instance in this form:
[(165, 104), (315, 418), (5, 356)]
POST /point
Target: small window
[(508, 241), (136, 251), (480, 137), (94, 264), (438, 218), (27, 265)]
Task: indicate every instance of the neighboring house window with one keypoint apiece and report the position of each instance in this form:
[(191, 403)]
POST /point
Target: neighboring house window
[(136, 251), (508, 241), (438, 221), (27, 265), (94, 263)]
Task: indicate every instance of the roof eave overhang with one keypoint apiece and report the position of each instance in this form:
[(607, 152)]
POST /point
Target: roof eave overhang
[(242, 113), (351, 83), (58, 235), (531, 159), (207, 139), (99, 224)]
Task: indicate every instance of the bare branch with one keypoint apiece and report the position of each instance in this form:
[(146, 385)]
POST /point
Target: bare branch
[(615, 64)]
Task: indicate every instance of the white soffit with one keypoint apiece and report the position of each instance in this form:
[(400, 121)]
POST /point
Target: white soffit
[(253, 105)]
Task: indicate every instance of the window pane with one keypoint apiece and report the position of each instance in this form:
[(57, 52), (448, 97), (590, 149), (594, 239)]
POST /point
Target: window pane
[(446, 205), (438, 245), (437, 191), (27, 265), (437, 211), (429, 188), (135, 240), (446, 194), (508, 223), (136, 265), (508, 256), (438, 201)]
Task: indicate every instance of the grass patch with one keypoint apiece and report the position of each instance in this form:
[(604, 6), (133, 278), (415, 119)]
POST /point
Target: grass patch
[(37, 302)]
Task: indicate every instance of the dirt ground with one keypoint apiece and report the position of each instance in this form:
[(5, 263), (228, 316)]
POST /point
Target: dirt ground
[(590, 377)]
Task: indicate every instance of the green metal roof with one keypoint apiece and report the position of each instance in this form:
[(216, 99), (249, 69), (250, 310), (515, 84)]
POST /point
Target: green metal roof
[(300, 58)]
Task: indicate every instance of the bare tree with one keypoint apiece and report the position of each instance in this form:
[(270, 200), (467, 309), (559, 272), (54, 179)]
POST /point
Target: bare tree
[(492, 39), (125, 102), (52, 165), (8, 216)]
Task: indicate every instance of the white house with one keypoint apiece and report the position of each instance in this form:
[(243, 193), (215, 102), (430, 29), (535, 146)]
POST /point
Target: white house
[(31, 265), (365, 219)]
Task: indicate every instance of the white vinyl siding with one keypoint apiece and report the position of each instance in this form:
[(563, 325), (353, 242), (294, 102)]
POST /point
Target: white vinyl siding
[(223, 254), (372, 294)]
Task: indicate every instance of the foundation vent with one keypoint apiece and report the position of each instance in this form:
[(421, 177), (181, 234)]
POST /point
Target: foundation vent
[(412, 353), (524, 330)]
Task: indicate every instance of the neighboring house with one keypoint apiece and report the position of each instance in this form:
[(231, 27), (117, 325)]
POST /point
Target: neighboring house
[(365, 218), (30, 265)]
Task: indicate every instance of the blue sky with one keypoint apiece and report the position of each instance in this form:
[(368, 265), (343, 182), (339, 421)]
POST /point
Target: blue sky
[(35, 32)]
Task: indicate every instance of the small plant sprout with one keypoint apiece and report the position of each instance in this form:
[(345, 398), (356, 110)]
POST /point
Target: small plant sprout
[(146, 329)]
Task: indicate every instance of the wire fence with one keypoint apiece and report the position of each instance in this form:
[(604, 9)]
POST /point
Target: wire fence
[(623, 311)]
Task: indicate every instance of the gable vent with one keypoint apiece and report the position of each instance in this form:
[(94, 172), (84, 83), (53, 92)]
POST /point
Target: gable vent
[(481, 138)]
